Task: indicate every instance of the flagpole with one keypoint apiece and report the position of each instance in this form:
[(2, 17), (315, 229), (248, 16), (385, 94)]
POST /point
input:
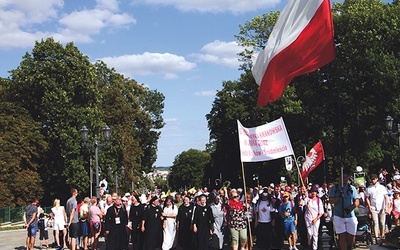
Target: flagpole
[(245, 203)]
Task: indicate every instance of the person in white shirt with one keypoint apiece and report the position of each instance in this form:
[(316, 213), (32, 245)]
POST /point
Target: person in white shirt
[(377, 201), (264, 220), (313, 213)]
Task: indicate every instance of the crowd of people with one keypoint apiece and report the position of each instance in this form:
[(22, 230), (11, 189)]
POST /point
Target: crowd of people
[(259, 217)]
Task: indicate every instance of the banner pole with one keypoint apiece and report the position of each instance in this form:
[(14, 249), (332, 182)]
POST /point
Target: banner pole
[(245, 203), (298, 170)]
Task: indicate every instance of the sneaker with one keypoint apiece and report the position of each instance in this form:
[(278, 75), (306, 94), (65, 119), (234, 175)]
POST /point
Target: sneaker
[(294, 248)]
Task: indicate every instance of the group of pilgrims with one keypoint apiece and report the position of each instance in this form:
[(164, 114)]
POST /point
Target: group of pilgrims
[(261, 217)]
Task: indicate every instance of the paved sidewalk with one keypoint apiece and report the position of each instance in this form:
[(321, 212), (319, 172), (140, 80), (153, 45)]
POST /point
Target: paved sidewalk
[(15, 240)]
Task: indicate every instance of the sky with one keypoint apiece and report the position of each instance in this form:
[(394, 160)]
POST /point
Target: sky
[(184, 49)]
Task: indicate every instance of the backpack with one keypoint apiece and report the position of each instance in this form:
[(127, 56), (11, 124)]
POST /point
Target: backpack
[(41, 225)]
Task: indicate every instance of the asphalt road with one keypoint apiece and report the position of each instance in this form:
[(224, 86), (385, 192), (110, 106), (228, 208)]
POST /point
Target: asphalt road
[(15, 240)]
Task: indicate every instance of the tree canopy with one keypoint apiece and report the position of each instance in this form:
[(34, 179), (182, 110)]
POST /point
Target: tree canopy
[(61, 91), (188, 169), (344, 103)]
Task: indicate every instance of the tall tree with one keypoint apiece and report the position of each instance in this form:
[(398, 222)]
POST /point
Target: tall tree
[(21, 146), (188, 169), (343, 104), (62, 91)]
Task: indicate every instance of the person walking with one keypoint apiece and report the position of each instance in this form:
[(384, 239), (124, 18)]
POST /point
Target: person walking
[(30, 218), (288, 212), (60, 220), (184, 222), (237, 220), (152, 224), (43, 231), (116, 221), (73, 218), (95, 215), (203, 221), (136, 213), (84, 221), (345, 199), (218, 212), (313, 212), (264, 219), (377, 201), (169, 224)]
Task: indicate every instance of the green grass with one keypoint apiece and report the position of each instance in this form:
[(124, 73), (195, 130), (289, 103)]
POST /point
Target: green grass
[(10, 228)]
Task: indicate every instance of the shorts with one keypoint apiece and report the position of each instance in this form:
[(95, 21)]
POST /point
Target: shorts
[(289, 228), (32, 229), (348, 225), (84, 228), (238, 235), (74, 230), (59, 225), (44, 235)]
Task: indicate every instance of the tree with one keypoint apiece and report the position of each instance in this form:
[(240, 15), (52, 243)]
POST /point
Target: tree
[(343, 104), (21, 148), (62, 91), (188, 169)]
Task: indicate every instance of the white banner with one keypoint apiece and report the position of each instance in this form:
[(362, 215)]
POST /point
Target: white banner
[(289, 163), (264, 143)]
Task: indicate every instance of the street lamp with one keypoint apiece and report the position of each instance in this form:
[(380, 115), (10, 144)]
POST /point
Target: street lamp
[(110, 172), (389, 127), (300, 161), (96, 145), (255, 178)]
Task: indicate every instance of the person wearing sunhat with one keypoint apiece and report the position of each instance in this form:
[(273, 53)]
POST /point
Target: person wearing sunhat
[(313, 213), (152, 224), (288, 212)]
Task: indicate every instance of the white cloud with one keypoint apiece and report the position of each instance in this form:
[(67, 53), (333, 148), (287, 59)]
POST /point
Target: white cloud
[(219, 52), (149, 64), (234, 6), (205, 93), (20, 19)]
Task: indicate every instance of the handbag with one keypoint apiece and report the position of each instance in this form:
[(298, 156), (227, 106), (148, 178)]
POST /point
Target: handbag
[(214, 241), (96, 226)]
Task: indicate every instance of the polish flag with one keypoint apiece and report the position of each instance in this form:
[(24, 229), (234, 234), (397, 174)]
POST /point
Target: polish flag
[(313, 159), (300, 43)]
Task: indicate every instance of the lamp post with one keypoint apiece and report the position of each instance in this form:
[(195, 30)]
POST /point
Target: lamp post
[(255, 178), (389, 128), (116, 176), (300, 160), (96, 144)]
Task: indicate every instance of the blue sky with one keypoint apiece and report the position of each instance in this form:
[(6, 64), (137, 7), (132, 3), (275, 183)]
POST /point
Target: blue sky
[(184, 49)]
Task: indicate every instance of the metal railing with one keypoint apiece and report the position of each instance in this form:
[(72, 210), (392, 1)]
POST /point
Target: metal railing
[(15, 214)]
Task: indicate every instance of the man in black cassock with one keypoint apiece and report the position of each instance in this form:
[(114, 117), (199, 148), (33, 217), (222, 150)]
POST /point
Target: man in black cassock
[(203, 222), (136, 216), (116, 221), (152, 225)]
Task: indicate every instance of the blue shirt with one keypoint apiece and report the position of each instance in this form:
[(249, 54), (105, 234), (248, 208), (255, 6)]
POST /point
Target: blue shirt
[(350, 194), (287, 207)]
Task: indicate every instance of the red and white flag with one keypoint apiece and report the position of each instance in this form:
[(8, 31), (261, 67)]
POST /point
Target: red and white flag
[(300, 43), (313, 159)]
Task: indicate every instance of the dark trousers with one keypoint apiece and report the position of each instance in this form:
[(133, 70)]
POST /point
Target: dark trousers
[(137, 239), (264, 235)]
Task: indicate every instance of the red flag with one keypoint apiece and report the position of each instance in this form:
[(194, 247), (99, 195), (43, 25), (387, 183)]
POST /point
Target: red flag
[(313, 159), (300, 43)]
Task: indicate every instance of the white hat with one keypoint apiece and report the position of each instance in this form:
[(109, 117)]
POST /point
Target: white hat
[(127, 194), (396, 177), (272, 185)]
